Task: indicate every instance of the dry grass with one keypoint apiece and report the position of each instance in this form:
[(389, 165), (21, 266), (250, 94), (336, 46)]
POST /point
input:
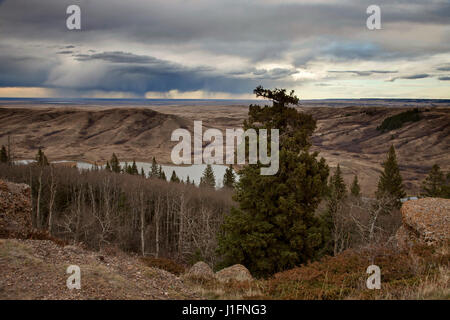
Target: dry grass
[(213, 289), (422, 273)]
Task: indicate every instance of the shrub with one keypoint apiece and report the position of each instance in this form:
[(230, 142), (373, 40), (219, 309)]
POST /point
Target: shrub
[(344, 276), (397, 121)]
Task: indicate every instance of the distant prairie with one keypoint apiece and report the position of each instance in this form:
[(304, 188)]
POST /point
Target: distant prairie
[(92, 129)]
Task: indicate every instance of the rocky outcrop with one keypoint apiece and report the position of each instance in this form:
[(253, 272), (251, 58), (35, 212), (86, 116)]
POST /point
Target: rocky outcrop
[(425, 221), (236, 272), (15, 210), (200, 270)]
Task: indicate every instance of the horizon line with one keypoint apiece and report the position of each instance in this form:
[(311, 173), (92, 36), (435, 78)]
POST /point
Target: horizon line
[(207, 99)]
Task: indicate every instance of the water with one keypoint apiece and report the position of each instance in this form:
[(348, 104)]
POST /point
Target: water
[(194, 172)]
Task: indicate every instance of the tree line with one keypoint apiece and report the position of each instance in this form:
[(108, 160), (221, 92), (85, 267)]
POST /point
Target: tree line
[(149, 216)]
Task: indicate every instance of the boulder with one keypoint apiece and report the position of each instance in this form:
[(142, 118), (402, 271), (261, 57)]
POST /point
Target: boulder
[(236, 272), (200, 270), (425, 221)]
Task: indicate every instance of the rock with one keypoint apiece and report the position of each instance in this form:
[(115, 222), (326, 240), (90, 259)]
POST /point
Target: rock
[(236, 272), (200, 270), (425, 221), (15, 210)]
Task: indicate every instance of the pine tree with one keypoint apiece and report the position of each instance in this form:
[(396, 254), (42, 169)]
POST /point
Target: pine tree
[(134, 169), (174, 177), (434, 182), (41, 159), (338, 188), (154, 172), (115, 165), (108, 167), (275, 228), (161, 174), (4, 155), (143, 173), (208, 179), (355, 189), (188, 181), (126, 168), (446, 187), (229, 178), (391, 182)]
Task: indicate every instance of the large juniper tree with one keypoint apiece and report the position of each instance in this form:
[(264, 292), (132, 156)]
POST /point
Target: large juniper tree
[(274, 227)]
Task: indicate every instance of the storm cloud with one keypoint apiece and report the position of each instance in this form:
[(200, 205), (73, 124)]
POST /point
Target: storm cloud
[(219, 46)]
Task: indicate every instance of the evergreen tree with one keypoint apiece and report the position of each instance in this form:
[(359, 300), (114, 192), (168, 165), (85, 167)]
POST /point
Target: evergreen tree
[(108, 167), (275, 228), (208, 179), (154, 172), (434, 182), (338, 188), (355, 189), (161, 174), (115, 165), (229, 178), (41, 159), (446, 187), (391, 182), (174, 177), (188, 181), (126, 168), (4, 155), (134, 169), (143, 173)]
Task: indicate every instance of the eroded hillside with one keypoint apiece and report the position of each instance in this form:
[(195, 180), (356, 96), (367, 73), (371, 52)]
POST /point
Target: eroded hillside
[(345, 135)]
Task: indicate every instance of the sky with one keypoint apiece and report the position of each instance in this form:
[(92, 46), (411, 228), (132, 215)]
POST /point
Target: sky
[(224, 49)]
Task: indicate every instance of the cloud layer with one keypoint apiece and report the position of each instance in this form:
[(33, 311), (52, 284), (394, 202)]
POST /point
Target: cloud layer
[(319, 48)]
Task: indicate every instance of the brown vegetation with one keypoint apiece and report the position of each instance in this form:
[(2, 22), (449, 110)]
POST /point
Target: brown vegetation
[(420, 273), (102, 209)]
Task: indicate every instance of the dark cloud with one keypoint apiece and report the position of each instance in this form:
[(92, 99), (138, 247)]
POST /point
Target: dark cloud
[(446, 78), (412, 77), (117, 57), (416, 76), (24, 71), (140, 79), (444, 68), (363, 73), (251, 31), (124, 72)]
